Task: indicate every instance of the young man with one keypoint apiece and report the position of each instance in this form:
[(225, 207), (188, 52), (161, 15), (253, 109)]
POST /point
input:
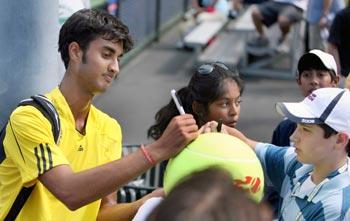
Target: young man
[(316, 69), (313, 177), (76, 179)]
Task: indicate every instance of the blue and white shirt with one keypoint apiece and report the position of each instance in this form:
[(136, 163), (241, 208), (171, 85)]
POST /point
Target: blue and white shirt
[(301, 198), (315, 10)]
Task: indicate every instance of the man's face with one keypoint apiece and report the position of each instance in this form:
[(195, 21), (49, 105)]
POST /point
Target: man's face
[(310, 145), (99, 65), (310, 80)]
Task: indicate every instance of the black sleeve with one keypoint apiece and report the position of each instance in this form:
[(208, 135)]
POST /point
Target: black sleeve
[(276, 135), (335, 30), (282, 133)]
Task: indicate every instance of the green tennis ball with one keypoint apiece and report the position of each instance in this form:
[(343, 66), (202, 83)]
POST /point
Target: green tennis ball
[(218, 149)]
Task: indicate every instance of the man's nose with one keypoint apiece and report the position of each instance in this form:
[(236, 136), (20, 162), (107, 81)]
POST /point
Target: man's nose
[(114, 66)]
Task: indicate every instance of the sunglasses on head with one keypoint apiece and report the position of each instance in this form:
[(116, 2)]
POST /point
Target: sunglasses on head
[(206, 69)]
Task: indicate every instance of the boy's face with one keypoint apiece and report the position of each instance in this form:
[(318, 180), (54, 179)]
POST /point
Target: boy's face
[(310, 80), (99, 65), (310, 145)]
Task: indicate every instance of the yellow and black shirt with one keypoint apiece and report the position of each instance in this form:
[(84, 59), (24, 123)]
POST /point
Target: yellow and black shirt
[(30, 151)]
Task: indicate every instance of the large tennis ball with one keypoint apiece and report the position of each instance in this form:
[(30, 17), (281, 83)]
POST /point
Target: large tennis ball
[(218, 149)]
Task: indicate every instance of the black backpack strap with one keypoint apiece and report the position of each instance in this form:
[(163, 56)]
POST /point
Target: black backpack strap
[(20, 200), (45, 106)]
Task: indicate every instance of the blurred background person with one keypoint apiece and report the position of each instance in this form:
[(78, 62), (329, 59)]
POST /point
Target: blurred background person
[(338, 41), (320, 15)]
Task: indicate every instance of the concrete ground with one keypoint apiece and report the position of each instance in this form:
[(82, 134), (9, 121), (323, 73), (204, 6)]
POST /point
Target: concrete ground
[(144, 85)]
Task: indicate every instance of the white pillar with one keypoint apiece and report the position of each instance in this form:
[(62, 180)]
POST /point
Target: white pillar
[(29, 60)]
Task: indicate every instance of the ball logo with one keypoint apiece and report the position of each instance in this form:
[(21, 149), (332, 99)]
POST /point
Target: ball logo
[(219, 150), (250, 184)]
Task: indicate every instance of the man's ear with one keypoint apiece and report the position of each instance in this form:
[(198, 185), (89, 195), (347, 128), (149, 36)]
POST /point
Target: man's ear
[(75, 52), (336, 81), (298, 80), (342, 139)]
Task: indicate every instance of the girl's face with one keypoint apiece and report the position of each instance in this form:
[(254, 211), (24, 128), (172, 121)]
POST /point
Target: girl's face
[(227, 107)]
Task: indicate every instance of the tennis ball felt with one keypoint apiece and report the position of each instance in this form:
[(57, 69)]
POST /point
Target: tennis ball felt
[(218, 149)]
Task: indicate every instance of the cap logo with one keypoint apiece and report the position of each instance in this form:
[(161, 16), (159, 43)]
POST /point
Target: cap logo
[(311, 96), (308, 121)]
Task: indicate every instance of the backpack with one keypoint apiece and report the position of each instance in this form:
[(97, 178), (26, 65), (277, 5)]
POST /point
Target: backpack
[(44, 105)]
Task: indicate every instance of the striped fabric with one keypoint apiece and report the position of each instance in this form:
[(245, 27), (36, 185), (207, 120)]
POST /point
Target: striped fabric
[(301, 198)]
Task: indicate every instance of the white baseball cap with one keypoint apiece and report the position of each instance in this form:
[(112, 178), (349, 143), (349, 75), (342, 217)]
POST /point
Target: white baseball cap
[(327, 60), (330, 106)]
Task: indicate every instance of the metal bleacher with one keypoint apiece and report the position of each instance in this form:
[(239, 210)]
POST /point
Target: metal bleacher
[(267, 62), (201, 35), (230, 47)]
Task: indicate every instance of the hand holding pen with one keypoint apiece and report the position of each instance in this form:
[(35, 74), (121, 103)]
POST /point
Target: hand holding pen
[(177, 102)]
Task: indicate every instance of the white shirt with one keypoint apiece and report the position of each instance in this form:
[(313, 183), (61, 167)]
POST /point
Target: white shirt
[(147, 208)]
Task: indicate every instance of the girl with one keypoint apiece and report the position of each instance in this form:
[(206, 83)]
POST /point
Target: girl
[(213, 93)]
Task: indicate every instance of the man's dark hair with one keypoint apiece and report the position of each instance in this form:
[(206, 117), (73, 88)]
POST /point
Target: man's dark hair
[(312, 62), (328, 131), (87, 25)]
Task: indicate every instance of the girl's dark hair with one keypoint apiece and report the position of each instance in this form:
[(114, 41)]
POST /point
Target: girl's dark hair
[(87, 25), (203, 88)]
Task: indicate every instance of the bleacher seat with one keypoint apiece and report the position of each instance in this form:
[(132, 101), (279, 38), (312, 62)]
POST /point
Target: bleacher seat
[(229, 45), (201, 35)]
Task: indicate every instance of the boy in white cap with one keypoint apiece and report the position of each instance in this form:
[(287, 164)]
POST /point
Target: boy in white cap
[(316, 69), (312, 178)]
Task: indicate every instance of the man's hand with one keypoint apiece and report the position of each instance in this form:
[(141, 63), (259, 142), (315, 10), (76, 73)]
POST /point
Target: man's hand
[(181, 130)]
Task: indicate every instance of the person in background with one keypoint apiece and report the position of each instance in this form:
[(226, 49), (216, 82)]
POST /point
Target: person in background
[(202, 11), (77, 178), (113, 7), (284, 12), (338, 40), (316, 69), (67, 7), (237, 6), (320, 15), (210, 10)]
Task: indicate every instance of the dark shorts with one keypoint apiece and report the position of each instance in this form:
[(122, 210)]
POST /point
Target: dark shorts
[(271, 10)]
